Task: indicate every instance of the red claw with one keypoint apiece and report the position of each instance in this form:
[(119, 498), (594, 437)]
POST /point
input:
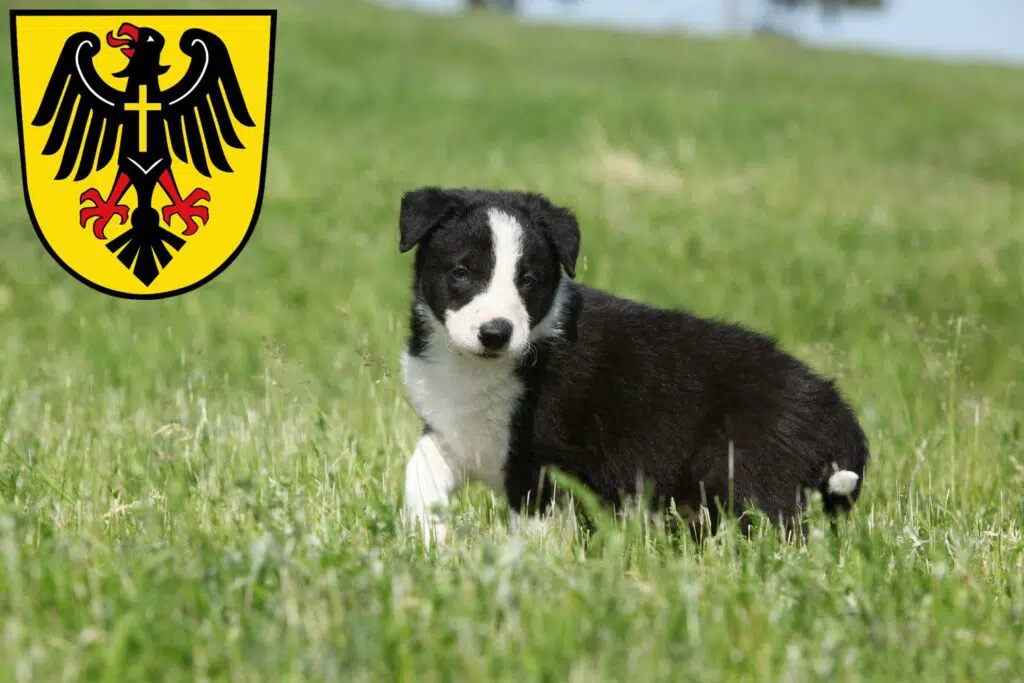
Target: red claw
[(103, 210), (188, 211)]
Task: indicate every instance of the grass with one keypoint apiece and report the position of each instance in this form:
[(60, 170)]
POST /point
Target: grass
[(207, 488)]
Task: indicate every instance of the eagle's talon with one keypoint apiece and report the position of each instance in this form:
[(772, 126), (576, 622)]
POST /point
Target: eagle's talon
[(103, 210), (187, 210)]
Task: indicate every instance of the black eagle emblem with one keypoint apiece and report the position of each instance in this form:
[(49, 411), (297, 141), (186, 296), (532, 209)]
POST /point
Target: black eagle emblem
[(143, 125)]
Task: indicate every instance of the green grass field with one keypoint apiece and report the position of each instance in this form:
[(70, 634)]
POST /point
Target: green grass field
[(207, 488)]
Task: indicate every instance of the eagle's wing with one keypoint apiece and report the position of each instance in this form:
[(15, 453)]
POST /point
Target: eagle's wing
[(74, 79), (196, 109)]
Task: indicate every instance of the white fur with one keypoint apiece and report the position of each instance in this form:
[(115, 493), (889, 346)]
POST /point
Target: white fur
[(842, 482), (429, 482), (501, 298), (468, 402)]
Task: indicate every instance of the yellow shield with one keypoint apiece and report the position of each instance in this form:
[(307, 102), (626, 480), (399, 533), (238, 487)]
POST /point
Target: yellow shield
[(143, 140)]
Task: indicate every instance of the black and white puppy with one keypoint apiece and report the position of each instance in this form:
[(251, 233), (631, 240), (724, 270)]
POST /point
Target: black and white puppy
[(513, 367)]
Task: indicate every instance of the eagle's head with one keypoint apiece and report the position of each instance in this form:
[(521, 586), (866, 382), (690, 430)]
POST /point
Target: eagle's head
[(142, 46)]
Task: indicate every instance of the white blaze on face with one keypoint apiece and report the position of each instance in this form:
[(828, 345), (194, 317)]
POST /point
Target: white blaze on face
[(501, 297)]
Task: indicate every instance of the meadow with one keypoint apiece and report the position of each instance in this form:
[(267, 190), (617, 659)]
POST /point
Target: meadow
[(207, 488)]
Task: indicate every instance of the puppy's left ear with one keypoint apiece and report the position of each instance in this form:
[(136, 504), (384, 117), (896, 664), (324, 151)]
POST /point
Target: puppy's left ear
[(421, 211), (561, 228)]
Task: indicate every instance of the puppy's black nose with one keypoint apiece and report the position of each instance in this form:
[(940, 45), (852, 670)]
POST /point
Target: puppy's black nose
[(494, 334)]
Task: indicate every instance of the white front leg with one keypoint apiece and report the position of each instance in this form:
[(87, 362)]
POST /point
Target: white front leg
[(429, 481)]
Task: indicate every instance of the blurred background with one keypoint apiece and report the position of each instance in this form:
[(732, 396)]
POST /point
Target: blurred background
[(981, 29)]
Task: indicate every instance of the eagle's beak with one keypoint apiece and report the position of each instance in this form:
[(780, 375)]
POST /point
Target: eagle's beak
[(132, 36)]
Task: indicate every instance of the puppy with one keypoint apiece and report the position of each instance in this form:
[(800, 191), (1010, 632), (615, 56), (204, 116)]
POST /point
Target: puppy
[(513, 368)]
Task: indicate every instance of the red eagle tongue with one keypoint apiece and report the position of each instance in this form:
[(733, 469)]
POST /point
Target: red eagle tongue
[(125, 29), (116, 42)]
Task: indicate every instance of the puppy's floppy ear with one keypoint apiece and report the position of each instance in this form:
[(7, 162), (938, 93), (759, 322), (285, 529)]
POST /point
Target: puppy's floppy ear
[(422, 209), (561, 228)]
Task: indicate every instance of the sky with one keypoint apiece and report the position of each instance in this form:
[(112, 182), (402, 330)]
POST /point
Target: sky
[(989, 30)]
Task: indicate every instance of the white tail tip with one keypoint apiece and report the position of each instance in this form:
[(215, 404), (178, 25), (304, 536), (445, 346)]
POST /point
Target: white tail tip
[(842, 483)]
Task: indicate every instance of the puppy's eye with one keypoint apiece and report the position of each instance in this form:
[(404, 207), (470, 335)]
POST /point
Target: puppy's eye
[(459, 273), (528, 281)]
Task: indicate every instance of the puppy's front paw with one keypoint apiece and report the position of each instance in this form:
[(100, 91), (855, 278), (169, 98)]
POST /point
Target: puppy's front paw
[(428, 483), (421, 518)]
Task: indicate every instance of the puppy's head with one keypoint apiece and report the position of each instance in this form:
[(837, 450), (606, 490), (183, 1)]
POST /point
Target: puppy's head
[(488, 264)]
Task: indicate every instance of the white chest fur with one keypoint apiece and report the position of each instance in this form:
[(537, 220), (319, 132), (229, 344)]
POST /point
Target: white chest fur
[(469, 403)]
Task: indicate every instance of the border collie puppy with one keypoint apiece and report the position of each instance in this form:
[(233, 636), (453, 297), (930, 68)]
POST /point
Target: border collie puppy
[(513, 367)]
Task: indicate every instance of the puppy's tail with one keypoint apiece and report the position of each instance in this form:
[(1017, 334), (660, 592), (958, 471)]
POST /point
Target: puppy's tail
[(843, 477), (840, 489), (842, 483)]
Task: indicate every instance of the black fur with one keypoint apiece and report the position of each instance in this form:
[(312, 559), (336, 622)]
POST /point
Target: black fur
[(635, 388), (630, 389)]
